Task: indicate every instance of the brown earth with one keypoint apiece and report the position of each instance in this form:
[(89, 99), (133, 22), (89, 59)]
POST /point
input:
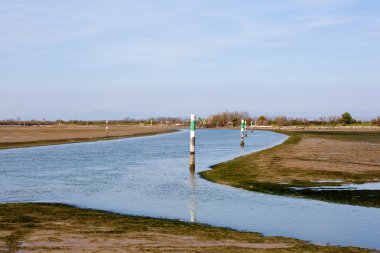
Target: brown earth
[(13, 137), (323, 159)]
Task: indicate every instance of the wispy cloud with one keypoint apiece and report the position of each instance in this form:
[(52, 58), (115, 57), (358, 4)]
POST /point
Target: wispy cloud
[(129, 36), (130, 45)]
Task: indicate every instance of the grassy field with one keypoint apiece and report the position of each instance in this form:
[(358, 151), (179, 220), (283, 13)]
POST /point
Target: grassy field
[(309, 159), (17, 137), (62, 228)]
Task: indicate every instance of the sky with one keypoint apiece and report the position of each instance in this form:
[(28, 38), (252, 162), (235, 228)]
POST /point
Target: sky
[(98, 59)]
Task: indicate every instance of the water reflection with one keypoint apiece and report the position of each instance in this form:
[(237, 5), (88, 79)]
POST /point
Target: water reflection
[(192, 163), (193, 193)]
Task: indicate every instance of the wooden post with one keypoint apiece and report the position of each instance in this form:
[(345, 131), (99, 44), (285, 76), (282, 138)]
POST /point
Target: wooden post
[(242, 133), (107, 127), (192, 142), (245, 128)]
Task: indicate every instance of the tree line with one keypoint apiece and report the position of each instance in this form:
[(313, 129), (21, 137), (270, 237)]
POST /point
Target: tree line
[(234, 118), (126, 121), (223, 119)]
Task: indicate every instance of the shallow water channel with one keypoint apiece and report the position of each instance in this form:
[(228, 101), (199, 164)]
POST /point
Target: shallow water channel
[(150, 176)]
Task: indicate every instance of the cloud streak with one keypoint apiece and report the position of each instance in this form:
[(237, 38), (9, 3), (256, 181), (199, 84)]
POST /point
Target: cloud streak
[(137, 46)]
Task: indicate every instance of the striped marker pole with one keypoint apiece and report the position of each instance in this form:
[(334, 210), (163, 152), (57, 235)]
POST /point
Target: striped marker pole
[(242, 133), (251, 126), (107, 127), (192, 141), (245, 128)]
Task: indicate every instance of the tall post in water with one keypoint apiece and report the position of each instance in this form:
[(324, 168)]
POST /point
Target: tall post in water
[(107, 127), (242, 133), (192, 142), (245, 128), (251, 126)]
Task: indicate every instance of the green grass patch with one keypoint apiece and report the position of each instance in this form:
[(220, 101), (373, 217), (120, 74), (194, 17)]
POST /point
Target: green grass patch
[(22, 220)]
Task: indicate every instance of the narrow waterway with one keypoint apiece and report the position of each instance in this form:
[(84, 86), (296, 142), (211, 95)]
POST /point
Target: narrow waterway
[(150, 176)]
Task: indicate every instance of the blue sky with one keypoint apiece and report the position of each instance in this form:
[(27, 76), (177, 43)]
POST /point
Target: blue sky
[(118, 58)]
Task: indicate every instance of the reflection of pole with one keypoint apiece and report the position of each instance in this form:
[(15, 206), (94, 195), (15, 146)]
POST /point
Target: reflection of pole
[(193, 197), (192, 141), (242, 133), (107, 127)]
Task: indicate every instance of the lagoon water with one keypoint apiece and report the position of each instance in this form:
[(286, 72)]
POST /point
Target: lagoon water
[(150, 176)]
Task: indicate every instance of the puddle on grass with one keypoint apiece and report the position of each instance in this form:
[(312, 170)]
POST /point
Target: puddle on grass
[(366, 186)]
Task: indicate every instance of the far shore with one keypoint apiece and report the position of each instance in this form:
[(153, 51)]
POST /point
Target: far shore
[(20, 137)]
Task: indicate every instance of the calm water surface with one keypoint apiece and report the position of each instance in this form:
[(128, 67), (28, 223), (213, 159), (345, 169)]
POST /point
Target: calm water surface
[(149, 176)]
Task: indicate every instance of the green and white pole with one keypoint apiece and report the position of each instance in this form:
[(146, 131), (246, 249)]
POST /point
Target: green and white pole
[(192, 141), (242, 133), (192, 134)]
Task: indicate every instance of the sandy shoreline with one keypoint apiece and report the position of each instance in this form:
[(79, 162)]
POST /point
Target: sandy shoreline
[(16, 137)]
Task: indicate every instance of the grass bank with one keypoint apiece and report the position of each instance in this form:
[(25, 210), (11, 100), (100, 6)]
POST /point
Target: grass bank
[(309, 159), (62, 228)]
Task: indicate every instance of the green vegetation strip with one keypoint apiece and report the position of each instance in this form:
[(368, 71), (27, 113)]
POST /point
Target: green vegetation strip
[(275, 170), (66, 224)]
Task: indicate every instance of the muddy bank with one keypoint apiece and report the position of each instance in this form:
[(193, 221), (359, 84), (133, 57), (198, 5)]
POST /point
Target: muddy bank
[(310, 159), (62, 228)]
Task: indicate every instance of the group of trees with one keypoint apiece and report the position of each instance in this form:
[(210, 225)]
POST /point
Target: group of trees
[(376, 121), (225, 119), (19, 122), (233, 119)]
